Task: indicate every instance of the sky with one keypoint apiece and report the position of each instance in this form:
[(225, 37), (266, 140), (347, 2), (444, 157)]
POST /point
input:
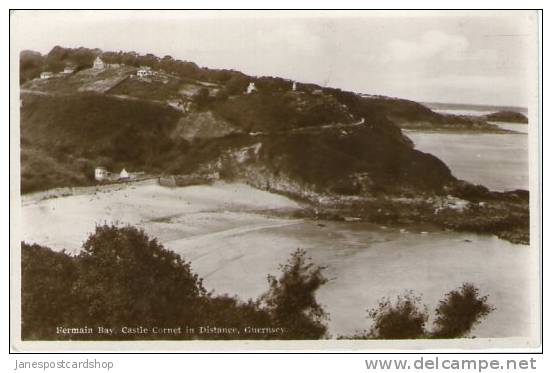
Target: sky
[(477, 57)]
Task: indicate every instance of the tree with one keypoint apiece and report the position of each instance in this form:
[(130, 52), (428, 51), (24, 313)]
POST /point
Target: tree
[(237, 84), (46, 299), (460, 311), (30, 65), (125, 276), (291, 299), (405, 319), (202, 98)]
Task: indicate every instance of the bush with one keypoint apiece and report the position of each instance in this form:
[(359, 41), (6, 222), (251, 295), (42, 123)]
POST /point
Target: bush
[(46, 295), (460, 311), (405, 319), (124, 276), (202, 98), (457, 314), (291, 299)]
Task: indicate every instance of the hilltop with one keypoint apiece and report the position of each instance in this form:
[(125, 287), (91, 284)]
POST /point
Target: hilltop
[(336, 150), (176, 83), (507, 116)]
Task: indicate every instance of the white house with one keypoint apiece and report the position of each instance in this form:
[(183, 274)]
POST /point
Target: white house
[(144, 71), (46, 75), (124, 174), (251, 88), (69, 70), (99, 64), (101, 173)]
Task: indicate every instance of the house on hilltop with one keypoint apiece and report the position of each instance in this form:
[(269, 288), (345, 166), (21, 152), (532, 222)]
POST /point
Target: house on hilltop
[(46, 75), (144, 71), (251, 88), (99, 64)]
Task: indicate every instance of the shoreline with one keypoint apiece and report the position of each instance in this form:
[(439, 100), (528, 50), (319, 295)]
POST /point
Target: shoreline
[(498, 217)]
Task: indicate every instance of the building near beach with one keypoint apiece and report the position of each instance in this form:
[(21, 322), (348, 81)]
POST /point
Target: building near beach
[(101, 174), (124, 174)]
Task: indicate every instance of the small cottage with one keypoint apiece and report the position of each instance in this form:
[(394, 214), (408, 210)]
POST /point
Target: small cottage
[(99, 64), (46, 75), (144, 71), (69, 70), (101, 174), (124, 174), (251, 88)]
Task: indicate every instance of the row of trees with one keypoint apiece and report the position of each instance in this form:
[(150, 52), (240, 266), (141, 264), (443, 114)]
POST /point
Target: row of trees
[(32, 63), (234, 82), (123, 277)]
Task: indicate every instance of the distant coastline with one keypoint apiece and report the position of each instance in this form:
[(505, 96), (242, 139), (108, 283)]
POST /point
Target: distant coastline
[(474, 107)]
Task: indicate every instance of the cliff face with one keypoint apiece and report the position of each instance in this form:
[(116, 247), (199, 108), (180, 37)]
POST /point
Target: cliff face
[(363, 160)]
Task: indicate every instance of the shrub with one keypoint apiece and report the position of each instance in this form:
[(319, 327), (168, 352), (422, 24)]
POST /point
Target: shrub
[(125, 276), (291, 299), (460, 311), (46, 281), (405, 319), (202, 98)]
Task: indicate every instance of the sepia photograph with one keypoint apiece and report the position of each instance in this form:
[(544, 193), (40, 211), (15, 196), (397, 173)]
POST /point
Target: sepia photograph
[(274, 179)]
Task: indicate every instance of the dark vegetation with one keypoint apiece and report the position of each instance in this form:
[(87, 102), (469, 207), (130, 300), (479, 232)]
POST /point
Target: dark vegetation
[(32, 63), (122, 277), (460, 311), (81, 131), (291, 298), (365, 161), (456, 315), (275, 111), (405, 319), (152, 90)]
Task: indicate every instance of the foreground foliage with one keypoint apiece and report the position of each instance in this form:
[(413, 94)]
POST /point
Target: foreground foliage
[(123, 278), (456, 315)]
